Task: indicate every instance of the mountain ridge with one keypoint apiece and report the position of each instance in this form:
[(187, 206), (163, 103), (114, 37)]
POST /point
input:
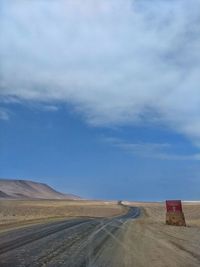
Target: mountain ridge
[(27, 189)]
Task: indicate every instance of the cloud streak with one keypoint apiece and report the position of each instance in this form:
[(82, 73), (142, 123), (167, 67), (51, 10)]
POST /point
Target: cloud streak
[(161, 151), (116, 61), (4, 114)]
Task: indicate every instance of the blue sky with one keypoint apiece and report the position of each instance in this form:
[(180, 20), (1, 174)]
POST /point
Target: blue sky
[(102, 99)]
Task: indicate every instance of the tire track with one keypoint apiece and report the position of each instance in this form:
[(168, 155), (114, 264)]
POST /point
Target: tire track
[(75, 243), (16, 243)]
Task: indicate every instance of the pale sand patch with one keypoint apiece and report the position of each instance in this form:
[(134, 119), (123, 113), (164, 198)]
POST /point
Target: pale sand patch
[(148, 242)]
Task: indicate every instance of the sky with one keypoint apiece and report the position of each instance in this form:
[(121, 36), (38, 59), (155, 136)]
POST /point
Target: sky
[(102, 98)]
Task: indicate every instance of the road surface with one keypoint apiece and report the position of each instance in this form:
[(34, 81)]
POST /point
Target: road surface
[(73, 243)]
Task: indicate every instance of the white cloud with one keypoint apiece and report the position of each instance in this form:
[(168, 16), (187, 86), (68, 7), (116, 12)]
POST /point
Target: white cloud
[(116, 61)]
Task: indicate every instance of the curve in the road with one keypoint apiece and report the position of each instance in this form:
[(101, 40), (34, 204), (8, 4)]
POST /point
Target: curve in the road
[(73, 243)]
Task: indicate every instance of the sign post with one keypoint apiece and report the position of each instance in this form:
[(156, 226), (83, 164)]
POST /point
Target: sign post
[(175, 215)]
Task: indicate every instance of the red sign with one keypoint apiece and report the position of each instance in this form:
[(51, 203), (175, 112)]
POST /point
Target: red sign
[(173, 205)]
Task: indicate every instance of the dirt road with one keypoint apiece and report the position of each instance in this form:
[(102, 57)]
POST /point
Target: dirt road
[(77, 242), (113, 242)]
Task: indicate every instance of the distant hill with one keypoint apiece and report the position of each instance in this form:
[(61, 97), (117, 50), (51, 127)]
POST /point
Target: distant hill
[(22, 189)]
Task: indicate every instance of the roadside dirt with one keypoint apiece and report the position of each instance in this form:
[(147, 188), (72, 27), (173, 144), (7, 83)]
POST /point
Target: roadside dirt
[(17, 213), (143, 242), (148, 242)]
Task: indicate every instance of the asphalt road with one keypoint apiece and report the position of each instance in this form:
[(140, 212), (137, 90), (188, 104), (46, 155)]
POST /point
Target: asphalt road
[(73, 243)]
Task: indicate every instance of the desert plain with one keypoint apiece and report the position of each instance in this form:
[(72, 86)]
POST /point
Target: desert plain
[(145, 241), (17, 213)]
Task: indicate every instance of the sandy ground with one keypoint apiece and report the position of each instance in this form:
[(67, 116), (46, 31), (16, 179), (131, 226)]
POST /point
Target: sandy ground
[(143, 242), (148, 242), (14, 213)]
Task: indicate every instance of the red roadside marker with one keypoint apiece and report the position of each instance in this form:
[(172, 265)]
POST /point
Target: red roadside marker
[(174, 214)]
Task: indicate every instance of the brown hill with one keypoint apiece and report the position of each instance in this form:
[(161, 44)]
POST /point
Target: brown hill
[(22, 189), (3, 195)]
